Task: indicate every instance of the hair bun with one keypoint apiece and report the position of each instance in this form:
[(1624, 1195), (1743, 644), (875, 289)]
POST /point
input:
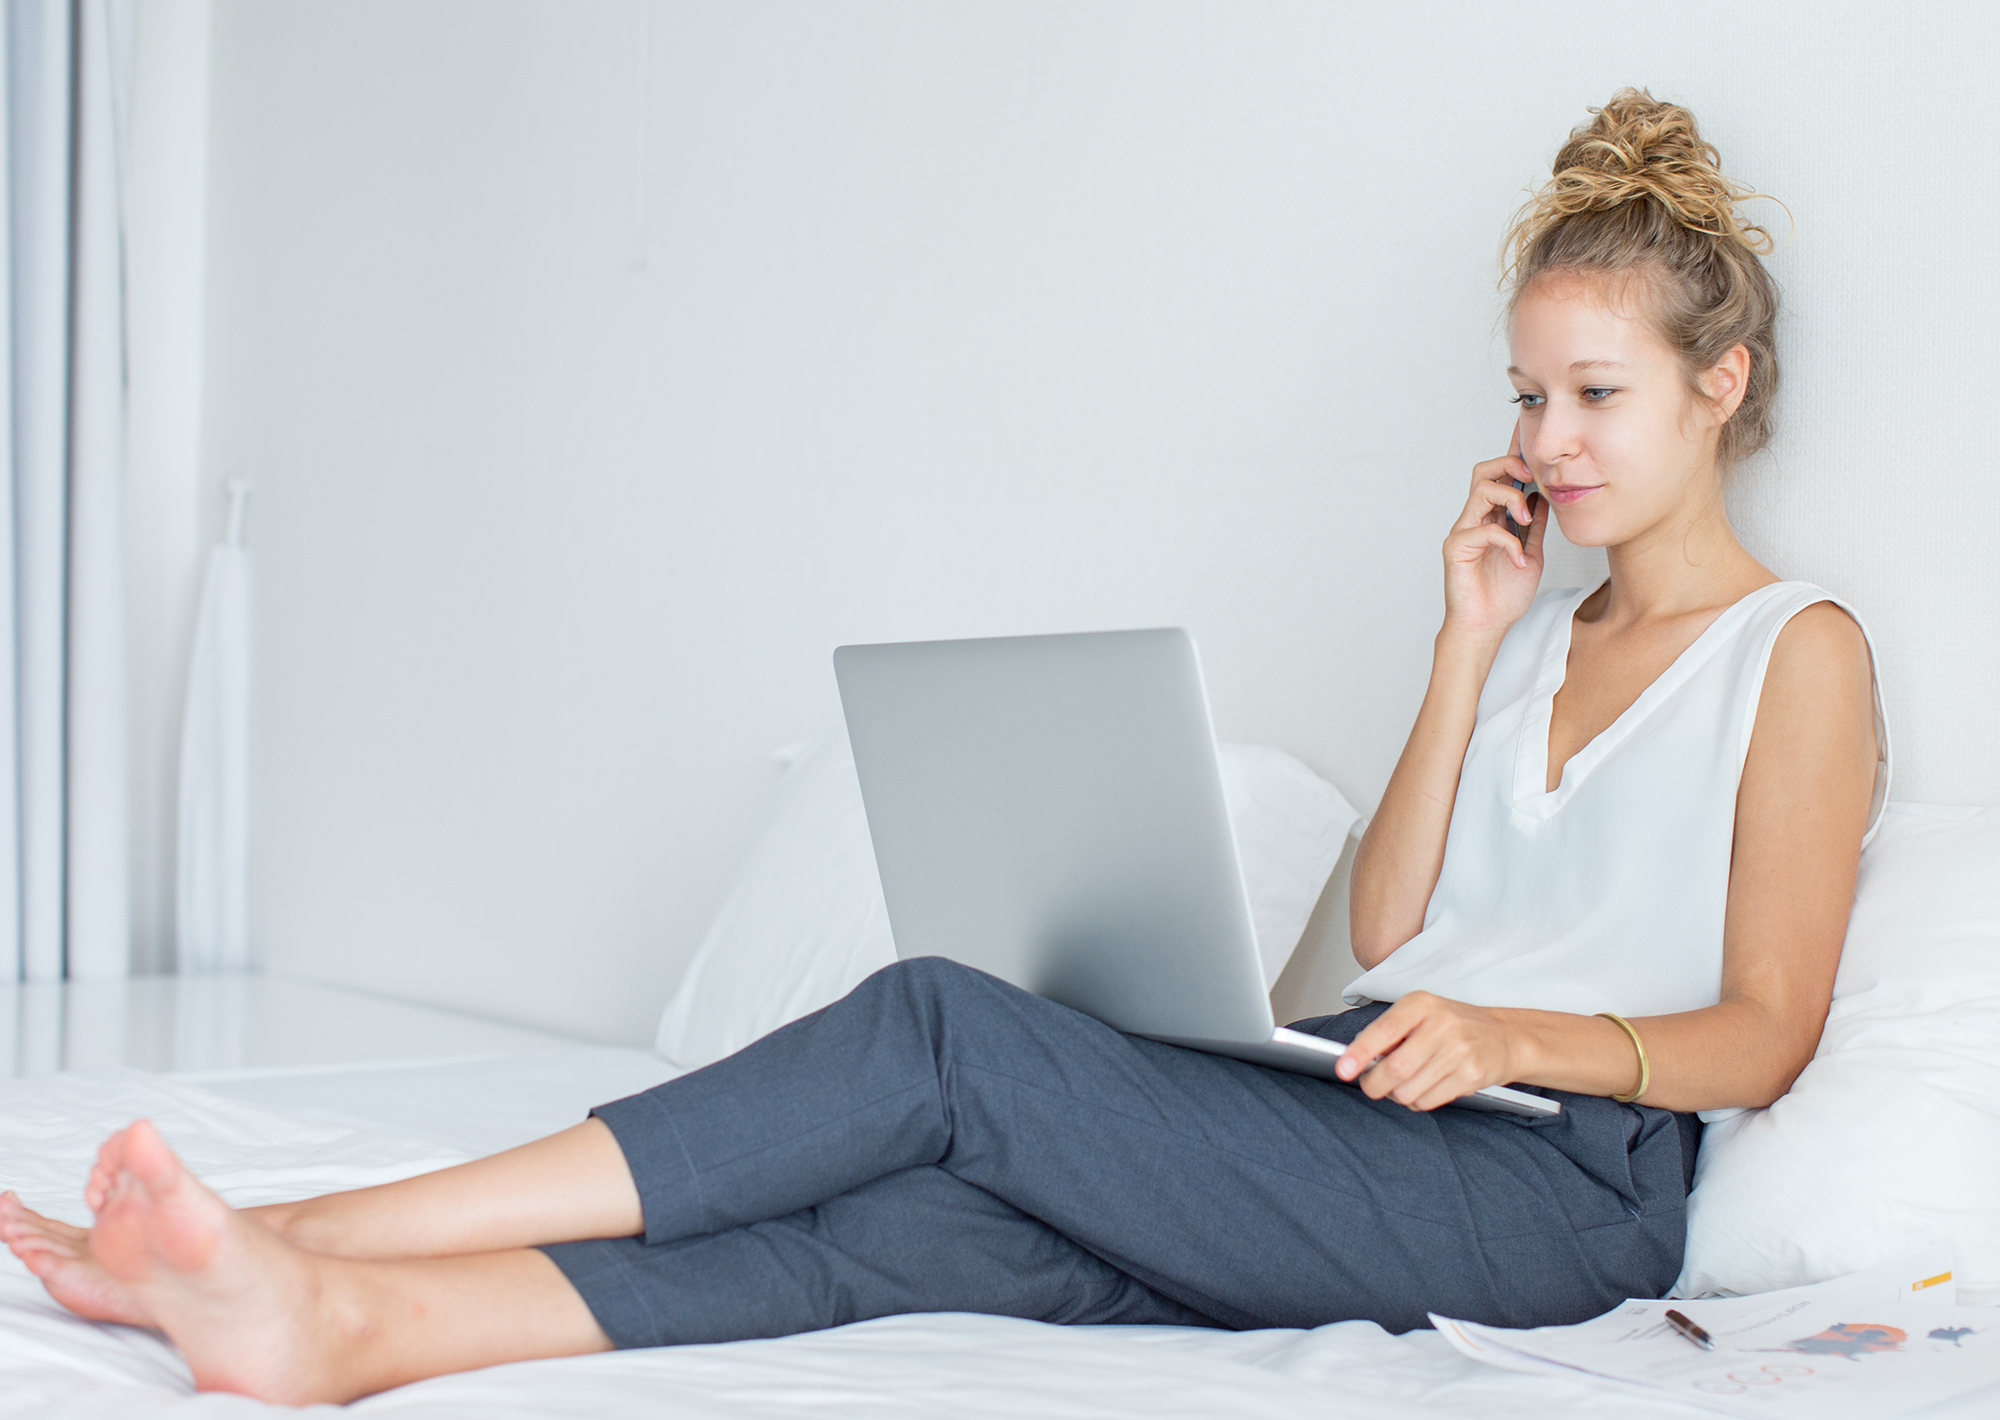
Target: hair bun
[(1637, 194), (1638, 149)]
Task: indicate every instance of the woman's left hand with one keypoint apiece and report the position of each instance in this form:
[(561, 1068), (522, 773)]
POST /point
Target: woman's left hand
[(1428, 1051)]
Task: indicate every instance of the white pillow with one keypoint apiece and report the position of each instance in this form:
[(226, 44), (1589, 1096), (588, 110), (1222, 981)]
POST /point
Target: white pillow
[(804, 921), (1890, 1139)]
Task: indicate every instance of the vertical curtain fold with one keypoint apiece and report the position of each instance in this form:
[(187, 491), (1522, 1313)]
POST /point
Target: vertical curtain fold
[(98, 872), (212, 904), (12, 963), (38, 124), (64, 895)]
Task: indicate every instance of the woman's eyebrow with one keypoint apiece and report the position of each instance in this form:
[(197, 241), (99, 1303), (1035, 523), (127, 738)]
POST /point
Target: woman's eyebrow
[(1598, 365)]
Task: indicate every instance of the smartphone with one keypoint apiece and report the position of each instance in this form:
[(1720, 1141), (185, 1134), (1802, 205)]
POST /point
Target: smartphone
[(1518, 529)]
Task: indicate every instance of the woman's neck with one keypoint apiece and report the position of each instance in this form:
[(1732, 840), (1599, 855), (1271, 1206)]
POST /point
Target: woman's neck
[(1686, 563)]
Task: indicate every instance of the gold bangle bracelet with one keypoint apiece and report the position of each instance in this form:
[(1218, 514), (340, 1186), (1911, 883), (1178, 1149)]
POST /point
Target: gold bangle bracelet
[(1645, 1065)]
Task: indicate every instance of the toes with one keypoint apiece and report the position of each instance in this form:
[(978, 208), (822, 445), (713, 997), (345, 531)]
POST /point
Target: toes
[(43, 1265), (13, 1211), (21, 1247), (122, 1186), (110, 1160), (68, 1242), (21, 1218), (149, 1161)]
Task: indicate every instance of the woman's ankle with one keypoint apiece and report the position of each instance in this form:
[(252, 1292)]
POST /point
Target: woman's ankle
[(302, 1224)]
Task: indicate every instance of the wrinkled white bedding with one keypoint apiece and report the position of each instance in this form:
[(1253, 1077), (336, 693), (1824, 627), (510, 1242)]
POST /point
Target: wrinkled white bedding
[(262, 1139)]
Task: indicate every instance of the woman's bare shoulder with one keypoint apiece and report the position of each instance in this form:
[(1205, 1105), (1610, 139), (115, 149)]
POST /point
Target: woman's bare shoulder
[(1822, 646), (1818, 701)]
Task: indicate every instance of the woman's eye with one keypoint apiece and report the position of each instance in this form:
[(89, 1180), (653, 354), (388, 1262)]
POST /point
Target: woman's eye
[(1594, 394), (1527, 401)]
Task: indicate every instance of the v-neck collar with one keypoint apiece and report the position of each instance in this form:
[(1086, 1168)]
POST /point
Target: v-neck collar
[(1531, 757)]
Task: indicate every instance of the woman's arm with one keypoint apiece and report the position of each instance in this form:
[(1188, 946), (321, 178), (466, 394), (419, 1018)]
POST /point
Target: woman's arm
[(1489, 581), (1397, 862), (1801, 809)]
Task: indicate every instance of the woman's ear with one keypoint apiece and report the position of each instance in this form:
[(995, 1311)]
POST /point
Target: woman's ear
[(1727, 383)]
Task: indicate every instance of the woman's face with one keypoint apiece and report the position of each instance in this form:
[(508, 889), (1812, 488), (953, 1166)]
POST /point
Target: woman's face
[(1617, 443)]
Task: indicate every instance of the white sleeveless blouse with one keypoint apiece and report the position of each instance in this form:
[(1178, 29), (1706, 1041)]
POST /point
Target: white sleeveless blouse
[(1608, 894)]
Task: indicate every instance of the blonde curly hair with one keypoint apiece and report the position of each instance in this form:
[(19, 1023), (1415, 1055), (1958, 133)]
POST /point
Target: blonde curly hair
[(1638, 192)]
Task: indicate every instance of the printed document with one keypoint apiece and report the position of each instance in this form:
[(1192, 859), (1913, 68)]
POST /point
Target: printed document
[(1864, 1347)]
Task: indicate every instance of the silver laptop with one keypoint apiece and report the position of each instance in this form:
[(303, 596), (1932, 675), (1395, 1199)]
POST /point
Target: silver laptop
[(1049, 809)]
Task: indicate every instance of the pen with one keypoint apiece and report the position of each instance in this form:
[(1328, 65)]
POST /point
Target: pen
[(1690, 1330)]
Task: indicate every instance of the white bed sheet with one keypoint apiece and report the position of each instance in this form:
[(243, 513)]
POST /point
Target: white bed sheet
[(265, 1137), (478, 1106)]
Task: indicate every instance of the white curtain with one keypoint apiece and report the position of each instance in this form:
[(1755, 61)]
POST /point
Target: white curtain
[(212, 904), (64, 895)]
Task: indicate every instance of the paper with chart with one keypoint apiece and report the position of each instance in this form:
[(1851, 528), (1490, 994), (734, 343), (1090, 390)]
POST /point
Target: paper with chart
[(1860, 1348)]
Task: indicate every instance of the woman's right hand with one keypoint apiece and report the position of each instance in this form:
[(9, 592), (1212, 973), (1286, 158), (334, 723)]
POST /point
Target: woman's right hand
[(1490, 576), (1489, 581)]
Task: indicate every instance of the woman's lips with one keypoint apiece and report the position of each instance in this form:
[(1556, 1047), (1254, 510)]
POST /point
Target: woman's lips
[(1569, 492)]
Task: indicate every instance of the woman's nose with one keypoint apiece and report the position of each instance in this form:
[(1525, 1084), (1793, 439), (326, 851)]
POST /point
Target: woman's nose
[(1556, 438)]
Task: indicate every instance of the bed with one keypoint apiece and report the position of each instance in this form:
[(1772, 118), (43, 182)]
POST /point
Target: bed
[(274, 1089), (263, 1135)]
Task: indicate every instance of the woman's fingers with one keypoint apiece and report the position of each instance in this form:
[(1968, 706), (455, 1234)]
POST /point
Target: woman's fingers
[(1427, 1056), (1504, 469), (1471, 544), (1450, 1070), (1423, 1053), (1397, 1076), (1538, 527), (1442, 1094), (1496, 491), (1395, 1056), (1380, 1036), (1503, 494)]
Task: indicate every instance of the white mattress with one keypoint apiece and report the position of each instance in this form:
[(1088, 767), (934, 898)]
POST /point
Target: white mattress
[(260, 1138)]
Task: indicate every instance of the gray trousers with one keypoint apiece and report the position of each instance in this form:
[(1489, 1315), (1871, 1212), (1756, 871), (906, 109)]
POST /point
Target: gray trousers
[(941, 1141)]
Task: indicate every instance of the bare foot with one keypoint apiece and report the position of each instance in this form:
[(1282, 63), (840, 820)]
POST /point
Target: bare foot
[(59, 1254), (247, 1309)]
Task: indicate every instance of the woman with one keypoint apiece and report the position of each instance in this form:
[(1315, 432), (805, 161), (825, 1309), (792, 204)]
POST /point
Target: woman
[(1648, 798)]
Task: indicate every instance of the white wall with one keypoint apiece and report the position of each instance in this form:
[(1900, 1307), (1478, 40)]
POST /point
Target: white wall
[(602, 365)]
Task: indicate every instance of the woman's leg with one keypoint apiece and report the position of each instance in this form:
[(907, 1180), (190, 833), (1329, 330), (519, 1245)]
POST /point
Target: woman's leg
[(574, 1184), (255, 1315), (570, 1185), (1249, 1195), (59, 1254), (1245, 1195), (916, 1241)]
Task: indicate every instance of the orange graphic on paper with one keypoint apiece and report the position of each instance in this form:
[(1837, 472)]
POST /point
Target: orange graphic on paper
[(1852, 1339)]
